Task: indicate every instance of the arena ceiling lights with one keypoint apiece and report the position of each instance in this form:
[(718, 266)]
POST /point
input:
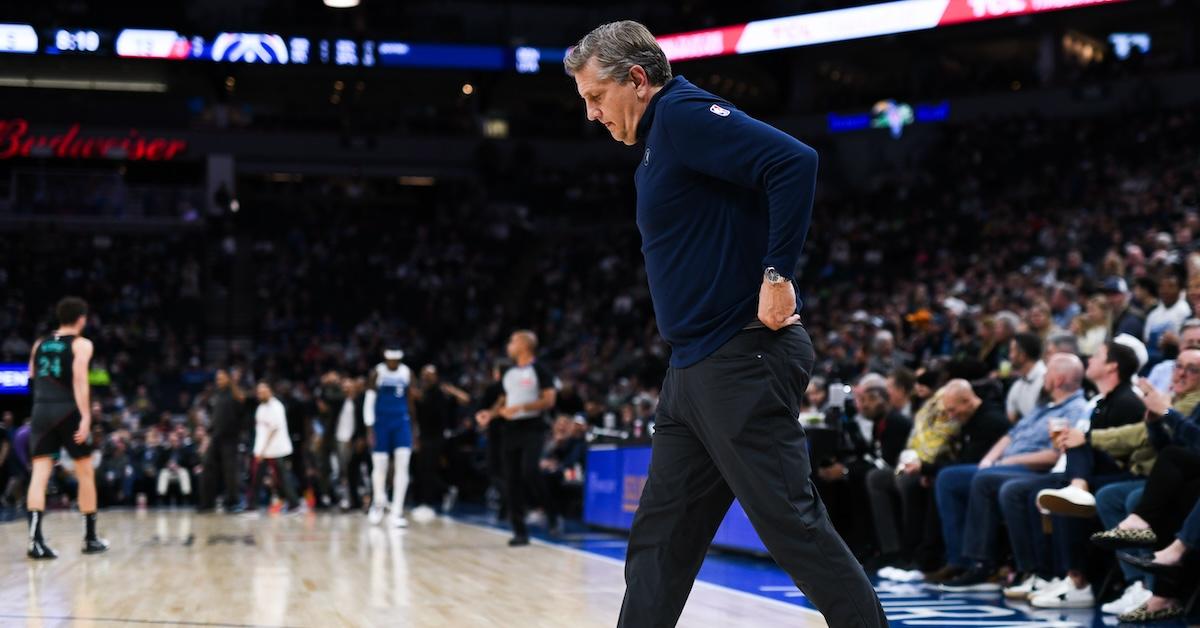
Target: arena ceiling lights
[(873, 20)]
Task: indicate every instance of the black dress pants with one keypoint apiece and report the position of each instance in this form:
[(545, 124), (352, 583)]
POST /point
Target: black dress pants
[(430, 484), (1171, 490), (521, 445), (727, 426), (220, 461)]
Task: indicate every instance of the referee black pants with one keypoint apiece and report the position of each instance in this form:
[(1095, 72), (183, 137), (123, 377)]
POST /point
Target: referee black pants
[(725, 427), (521, 445)]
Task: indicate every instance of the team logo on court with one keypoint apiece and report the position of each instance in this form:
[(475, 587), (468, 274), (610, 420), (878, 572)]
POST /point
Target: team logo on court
[(719, 110)]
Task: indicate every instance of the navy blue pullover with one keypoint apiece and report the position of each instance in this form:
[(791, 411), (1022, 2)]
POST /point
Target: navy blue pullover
[(720, 197)]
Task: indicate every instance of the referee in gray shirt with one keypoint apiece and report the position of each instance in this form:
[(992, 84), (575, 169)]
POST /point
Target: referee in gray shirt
[(529, 394), (723, 206)]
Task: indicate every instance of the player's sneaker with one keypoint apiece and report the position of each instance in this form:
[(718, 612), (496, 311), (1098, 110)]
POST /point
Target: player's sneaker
[(375, 515), (94, 546), (399, 521), (38, 550)]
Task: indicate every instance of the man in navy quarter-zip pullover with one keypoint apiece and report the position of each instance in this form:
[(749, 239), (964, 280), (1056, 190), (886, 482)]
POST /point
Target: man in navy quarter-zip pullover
[(724, 204)]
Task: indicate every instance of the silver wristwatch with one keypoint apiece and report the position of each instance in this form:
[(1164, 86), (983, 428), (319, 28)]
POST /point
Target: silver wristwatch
[(772, 276)]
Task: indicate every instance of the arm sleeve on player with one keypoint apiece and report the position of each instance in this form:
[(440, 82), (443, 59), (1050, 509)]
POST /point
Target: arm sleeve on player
[(369, 408)]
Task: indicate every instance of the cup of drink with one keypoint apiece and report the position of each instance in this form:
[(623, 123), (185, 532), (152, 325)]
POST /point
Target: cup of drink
[(907, 457), (1058, 425)]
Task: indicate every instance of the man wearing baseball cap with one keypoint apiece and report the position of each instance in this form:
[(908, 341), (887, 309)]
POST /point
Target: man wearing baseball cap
[(1127, 318)]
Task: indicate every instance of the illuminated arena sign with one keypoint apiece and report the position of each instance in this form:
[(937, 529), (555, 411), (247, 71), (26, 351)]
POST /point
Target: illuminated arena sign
[(14, 378), (873, 20), (891, 115), (16, 140)]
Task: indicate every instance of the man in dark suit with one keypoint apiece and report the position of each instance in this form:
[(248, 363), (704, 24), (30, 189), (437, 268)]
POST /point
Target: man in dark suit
[(724, 203), (843, 481)]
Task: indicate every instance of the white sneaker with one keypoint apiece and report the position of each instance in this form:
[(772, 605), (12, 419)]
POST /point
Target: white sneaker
[(450, 499), (1066, 596), (1029, 586), (375, 515), (399, 522), (1071, 501), (1135, 595), (1055, 586)]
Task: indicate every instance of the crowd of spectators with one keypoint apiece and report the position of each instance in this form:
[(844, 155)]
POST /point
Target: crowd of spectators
[(958, 301)]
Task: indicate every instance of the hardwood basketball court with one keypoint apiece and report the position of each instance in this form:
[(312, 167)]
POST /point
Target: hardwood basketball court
[(177, 568)]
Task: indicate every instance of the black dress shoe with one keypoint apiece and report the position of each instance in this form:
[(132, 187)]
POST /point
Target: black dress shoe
[(94, 546), (38, 550), (1147, 564), (947, 572), (518, 541)]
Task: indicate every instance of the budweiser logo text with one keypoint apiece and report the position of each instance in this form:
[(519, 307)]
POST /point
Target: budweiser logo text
[(17, 141)]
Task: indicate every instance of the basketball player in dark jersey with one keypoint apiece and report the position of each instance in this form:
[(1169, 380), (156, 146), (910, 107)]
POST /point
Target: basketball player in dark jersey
[(62, 419)]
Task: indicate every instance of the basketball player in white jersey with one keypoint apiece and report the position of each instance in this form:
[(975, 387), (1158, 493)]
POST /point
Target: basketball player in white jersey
[(386, 412)]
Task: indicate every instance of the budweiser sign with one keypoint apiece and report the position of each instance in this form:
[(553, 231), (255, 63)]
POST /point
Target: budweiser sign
[(17, 141)]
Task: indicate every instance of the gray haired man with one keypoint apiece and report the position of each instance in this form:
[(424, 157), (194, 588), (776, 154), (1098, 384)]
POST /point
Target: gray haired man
[(723, 205)]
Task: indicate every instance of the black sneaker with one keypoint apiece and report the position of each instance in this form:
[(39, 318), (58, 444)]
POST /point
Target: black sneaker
[(95, 546), (38, 550), (518, 541), (974, 579)]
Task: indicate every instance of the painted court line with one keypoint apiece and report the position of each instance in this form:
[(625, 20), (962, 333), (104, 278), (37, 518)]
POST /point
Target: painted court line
[(620, 563)]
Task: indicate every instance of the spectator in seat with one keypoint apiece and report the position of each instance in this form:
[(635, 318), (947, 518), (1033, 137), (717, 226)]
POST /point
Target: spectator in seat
[(884, 355), (1110, 370), (174, 464), (1030, 372), (564, 451), (1064, 305), (1163, 511), (873, 446), (1189, 338), (1126, 317), (1094, 327), (900, 383), (967, 495), (1172, 310)]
